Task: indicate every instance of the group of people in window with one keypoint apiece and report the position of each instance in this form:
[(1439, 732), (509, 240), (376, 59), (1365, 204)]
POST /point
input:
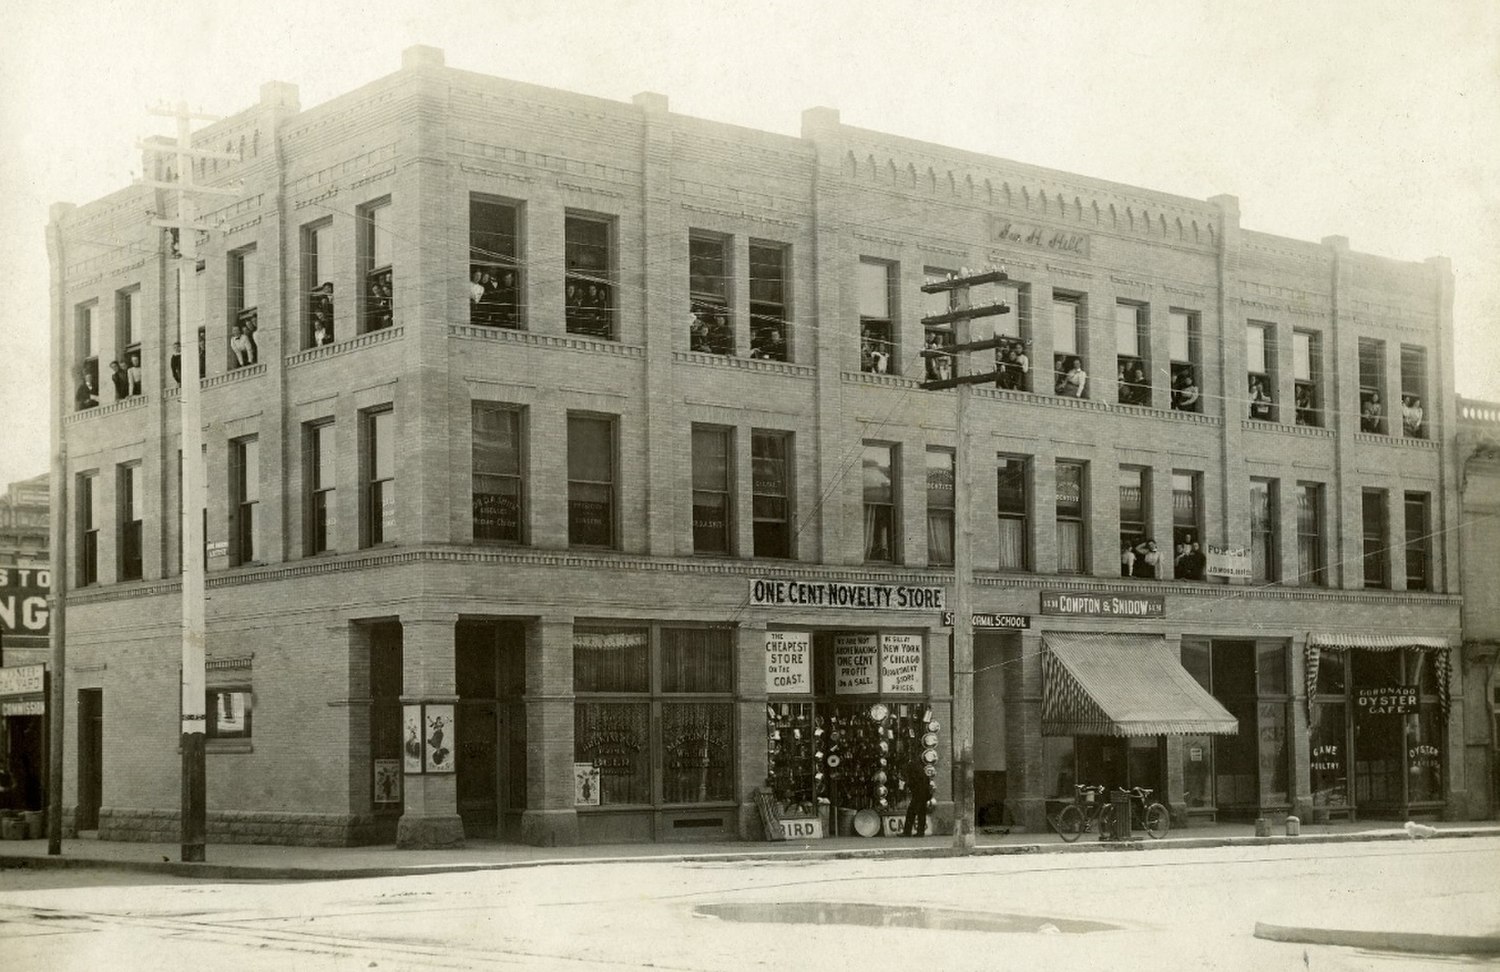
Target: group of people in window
[(124, 377), (709, 330), (378, 305), (244, 350), (320, 313), (1372, 416), (1072, 380), (494, 296), (1140, 557), (1186, 396), (589, 307), (1135, 386)]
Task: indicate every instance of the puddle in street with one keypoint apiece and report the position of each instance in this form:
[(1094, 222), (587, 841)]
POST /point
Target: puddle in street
[(897, 916)]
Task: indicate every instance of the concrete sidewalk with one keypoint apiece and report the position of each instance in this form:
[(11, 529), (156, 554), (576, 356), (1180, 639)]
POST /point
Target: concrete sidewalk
[(283, 863)]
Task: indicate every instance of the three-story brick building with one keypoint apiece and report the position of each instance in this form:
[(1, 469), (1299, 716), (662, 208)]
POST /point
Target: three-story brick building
[(569, 479)]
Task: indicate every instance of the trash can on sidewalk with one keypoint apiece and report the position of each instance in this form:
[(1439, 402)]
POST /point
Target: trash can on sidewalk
[(1120, 824)]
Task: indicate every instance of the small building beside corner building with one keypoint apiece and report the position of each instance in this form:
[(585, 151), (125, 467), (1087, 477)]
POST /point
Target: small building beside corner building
[(569, 480)]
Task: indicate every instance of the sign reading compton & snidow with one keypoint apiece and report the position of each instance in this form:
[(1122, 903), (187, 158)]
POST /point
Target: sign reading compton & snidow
[(831, 594), (1104, 605)]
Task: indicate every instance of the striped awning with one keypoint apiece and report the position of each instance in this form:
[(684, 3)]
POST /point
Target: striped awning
[(1320, 642), (1373, 642), (1123, 685)]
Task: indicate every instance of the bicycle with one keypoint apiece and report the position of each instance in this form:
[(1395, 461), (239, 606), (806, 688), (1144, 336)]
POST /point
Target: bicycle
[(1082, 814), (1154, 817)]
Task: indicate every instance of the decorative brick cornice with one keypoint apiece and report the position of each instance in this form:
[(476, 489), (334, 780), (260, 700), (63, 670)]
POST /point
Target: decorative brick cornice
[(1196, 589), (113, 408), (1274, 428), (744, 364), (570, 341), (1375, 438), (870, 378), (370, 338)]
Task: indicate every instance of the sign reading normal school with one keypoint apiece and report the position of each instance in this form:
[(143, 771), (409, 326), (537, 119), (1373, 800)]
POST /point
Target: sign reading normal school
[(830, 594), (1104, 605)]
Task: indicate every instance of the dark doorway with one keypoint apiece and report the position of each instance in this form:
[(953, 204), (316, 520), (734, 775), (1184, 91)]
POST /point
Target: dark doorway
[(490, 662), (27, 756), (90, 758)]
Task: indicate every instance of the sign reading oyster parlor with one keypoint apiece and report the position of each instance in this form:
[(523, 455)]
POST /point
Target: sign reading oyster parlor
[(829, 594)]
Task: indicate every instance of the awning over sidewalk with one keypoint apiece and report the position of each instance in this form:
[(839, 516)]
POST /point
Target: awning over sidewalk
[(1123, 685), (1319, 642)]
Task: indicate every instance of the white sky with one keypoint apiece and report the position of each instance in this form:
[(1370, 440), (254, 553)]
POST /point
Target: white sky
[(1372, 119)]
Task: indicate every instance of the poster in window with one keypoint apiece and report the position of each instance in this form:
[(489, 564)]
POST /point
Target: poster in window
[(439, 739), (788, 661), (854, 664), (901, 664), (585, 785), (387, 782), (497, 516), (411, 738)]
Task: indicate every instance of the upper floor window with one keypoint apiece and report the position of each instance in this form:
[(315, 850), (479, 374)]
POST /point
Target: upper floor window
[(1013, 356), (877, 335), (496, 273), (498, 495), (937, 337), (591, 481), (317, 285), (1072, 553), (1307, 375), (1132, 350), (375, 245), (1312, 557), (713, 508), (128, 337), (244, 501), (1070, 379), (1190, 562), (86, 356), (1413, 392), (1372, 413), (378, 472), (1260, 362), (711, 328), (320, 472), (941, 504), (1376, 539), (1265, 523), (769, 304), (244, 348), (1418, 542), (129, 497), (1011, 510), (589, 304), (770, 492), (87, 509), (1139, 555), (879, 479), (1184, 340)]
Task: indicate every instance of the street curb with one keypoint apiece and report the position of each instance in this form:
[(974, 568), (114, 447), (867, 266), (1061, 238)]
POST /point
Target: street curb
[(1388, 941), (763, 854)]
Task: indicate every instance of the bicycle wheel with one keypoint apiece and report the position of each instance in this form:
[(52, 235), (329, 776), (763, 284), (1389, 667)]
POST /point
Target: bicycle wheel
[(1158, 821), (1069, 823)]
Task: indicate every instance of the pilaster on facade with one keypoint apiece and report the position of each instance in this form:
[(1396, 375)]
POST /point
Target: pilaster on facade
[(832, 255)]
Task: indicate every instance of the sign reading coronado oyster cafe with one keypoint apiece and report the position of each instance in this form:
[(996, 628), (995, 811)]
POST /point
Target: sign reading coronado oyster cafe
[(829, 594)]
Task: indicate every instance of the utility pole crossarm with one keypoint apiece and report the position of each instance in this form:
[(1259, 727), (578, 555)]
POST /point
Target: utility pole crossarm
[(965, 281), (968, 313)]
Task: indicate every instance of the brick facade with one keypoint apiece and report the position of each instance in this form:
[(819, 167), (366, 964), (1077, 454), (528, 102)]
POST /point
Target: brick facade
[(428, 140)]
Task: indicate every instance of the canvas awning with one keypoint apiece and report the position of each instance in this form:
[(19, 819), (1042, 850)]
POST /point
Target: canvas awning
[(1123, 685), (1320, 642)]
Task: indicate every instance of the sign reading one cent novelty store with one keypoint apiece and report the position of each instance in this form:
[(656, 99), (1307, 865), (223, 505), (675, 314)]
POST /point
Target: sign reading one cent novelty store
[(830, 594), (1104, 605)]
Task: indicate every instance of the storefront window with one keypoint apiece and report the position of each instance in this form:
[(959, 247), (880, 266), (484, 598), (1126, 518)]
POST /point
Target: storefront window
[(1058, 774), (1197, 772), (615, 738), (1250, 769), (1329, 763), (697, 758), (1424, 751)]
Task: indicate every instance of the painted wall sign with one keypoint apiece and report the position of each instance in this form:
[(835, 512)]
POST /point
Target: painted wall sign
[(829, 594), (1228, 562), (1104, 605), (1391, 700), (854, 664), (1003, 230), (901, 664), (788, 661), (980, 620), (23, 600), (23, 679)]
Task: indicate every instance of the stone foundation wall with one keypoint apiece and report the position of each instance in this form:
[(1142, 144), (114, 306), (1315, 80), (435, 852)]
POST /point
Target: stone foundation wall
[(239, 827)]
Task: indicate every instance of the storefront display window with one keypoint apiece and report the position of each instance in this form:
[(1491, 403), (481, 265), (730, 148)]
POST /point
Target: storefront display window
[(1198, 772), (676, 715), (1328, 765), (1251, 769)]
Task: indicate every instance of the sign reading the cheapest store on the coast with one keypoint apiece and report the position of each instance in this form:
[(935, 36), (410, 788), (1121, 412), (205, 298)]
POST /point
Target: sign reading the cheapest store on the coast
[(1104, 605), (828, 594)]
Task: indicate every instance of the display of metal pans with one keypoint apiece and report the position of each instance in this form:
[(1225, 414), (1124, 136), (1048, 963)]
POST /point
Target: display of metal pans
[(879, 711), (928, 756), (930, 740), (867, 823)]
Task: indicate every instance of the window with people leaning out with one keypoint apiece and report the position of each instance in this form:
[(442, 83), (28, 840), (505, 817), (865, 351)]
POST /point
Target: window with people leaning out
[(653, 716), (375, 245), (317, 289), (768, 302), (1260, 360), (1413, 391), (1131, 341), (588, 297), (1372, 415), (1070, 380), (877, 346), (1139, 554), (1307, 356), (1184, 348), (711, 325), (495, 272)]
